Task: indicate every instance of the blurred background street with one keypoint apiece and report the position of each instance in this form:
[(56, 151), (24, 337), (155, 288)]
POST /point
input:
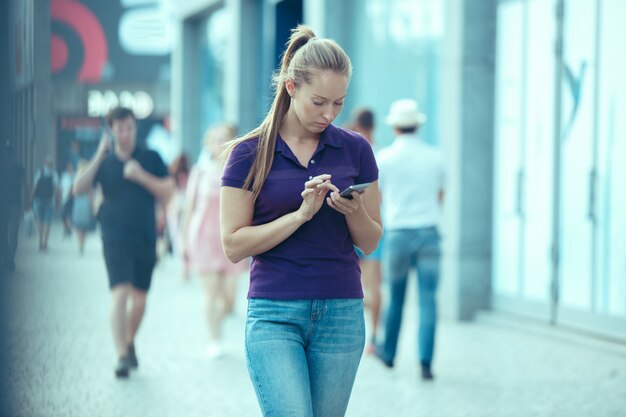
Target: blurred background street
[(61, 357), (525, 100)]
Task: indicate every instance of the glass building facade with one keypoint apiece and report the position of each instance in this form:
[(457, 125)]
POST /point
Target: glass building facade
[(560, 162), (537, 223)]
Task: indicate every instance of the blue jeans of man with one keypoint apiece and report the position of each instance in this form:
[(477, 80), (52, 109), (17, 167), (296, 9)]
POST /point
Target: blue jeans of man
[(404, 249), (303, 355)]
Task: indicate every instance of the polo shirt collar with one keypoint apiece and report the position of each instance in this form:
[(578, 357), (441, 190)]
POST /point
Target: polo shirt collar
[(329, 137)]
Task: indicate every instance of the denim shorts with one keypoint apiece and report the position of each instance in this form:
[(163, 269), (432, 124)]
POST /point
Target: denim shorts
[(303, 355), (43, 210)]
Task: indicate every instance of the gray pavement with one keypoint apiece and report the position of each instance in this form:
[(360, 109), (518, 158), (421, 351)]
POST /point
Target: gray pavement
[(59, 356)]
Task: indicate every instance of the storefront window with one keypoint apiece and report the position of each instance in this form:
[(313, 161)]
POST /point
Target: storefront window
[(214, 47)]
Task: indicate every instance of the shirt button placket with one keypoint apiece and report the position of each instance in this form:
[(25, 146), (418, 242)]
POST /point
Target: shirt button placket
[(312, 162)]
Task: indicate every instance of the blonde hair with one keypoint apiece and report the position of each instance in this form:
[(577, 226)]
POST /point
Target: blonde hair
[(220, 133), (304, 56)]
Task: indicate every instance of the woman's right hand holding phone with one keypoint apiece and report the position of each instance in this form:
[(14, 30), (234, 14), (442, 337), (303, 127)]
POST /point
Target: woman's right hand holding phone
[(315, 191)]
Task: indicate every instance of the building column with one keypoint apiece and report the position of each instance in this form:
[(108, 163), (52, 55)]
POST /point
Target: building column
[(43, 131), (467, 100)]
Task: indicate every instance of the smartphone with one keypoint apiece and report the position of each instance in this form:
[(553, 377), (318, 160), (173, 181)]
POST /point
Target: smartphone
[(359, 188)]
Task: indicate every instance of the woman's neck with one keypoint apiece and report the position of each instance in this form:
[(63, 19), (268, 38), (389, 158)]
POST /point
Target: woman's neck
[(292, 130)]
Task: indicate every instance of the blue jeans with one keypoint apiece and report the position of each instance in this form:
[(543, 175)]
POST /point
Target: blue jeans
[(404, 249), (303, 355)]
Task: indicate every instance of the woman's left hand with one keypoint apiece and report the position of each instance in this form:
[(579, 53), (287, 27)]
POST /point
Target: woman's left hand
[(343, 205)]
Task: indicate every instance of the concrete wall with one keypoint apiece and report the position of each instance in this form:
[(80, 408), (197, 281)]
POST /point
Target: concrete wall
[(43, 134), (5, 84), (467, 95)]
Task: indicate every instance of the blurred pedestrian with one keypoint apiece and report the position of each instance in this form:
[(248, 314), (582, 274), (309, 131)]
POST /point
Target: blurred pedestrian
[(74, 154), (412, 186), (201, 235), (132, 179), (82, 215), (67, 180), (179, 170), (280, 204), (13, 202), (45, 200), (363, 122)]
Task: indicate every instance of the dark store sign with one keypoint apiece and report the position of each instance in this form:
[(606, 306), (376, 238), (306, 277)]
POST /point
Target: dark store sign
[(100, 102), (81, 135), (94, 41), (84, 132)]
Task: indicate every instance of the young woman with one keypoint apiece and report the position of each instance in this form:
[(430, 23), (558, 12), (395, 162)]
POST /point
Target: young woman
[(201, 236), (83, 218), (280, 204)]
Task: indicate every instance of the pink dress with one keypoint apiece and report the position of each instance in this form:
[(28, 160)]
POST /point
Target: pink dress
[(204, 243)]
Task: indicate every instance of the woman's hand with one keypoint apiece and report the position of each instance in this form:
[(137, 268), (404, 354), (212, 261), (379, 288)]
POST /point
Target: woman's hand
[(313, 195), (344, 205)]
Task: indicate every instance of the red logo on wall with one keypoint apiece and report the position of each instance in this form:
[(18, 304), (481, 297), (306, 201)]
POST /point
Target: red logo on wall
[(78, 42)]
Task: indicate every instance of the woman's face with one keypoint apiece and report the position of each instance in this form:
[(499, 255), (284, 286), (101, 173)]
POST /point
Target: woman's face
[(318, 103)]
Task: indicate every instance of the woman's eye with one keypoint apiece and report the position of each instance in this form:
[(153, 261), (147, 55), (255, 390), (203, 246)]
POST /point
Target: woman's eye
[(318, 103), (339, 104)]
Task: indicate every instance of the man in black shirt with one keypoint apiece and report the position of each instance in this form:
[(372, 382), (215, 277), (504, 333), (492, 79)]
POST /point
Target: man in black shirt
[(132, 180)]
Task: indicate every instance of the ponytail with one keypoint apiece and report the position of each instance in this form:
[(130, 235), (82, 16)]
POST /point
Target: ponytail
[(299, 60)]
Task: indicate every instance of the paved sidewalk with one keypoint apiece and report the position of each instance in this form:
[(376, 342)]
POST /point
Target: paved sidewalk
[(59, 356)]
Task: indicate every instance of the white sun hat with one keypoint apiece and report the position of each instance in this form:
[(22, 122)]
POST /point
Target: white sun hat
[(405, 113)]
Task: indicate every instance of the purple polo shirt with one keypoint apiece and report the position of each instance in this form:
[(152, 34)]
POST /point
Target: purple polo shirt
[(318, 259)]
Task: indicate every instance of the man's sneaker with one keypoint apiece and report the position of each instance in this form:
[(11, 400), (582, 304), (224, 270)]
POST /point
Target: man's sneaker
[(132, 357), (427, 374), (123, 367)]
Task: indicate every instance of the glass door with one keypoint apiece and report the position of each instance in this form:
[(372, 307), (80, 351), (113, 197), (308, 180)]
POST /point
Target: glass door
[(508, 153), (577, 155), (590, 169)]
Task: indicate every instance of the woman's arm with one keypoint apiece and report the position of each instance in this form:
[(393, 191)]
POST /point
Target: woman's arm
[(362, 215), (240, 239)]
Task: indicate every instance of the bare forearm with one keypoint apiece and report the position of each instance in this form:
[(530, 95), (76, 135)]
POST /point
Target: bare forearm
[(364, 230), (253, 240), (84, 180)]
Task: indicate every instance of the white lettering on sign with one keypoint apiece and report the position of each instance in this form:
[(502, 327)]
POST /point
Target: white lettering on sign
[(100, 102)]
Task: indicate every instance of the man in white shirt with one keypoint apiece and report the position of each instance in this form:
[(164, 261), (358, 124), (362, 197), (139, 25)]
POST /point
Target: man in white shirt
[(411, 181)]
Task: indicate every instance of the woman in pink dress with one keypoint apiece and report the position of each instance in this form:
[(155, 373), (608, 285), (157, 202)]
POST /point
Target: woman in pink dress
[(201, 235)]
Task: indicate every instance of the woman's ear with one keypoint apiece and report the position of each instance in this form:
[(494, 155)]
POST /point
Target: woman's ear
[(290, 86)]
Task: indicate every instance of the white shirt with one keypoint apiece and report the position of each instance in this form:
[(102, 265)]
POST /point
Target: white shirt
[(411, 175)]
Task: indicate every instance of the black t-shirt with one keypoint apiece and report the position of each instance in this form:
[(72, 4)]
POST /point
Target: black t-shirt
[(127, 214)]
